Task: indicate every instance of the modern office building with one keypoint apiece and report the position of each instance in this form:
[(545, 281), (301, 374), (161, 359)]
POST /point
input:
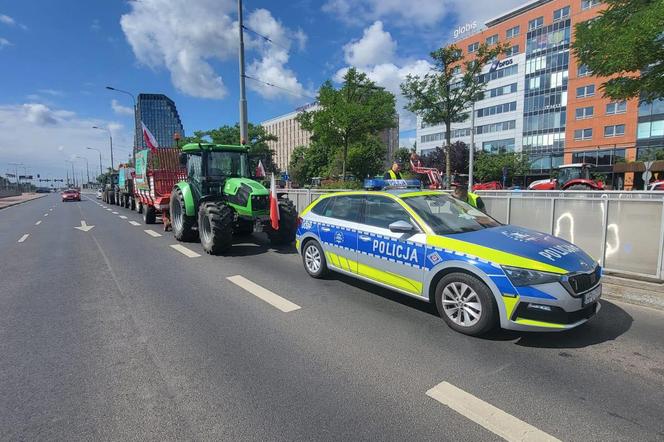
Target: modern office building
[(290, 135), (160, 116), (539, 100)]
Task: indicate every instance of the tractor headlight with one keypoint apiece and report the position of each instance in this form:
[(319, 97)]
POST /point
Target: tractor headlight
[(521, 277)]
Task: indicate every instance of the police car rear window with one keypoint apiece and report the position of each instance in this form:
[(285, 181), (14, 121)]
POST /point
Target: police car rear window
[(319, 208), (347, 208)]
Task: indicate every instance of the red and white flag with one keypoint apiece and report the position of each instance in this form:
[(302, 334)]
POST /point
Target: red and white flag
[(274, 205), (260, 170), (150, 140)]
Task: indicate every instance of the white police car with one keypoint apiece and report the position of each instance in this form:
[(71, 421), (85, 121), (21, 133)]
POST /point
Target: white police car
[(433, 247)]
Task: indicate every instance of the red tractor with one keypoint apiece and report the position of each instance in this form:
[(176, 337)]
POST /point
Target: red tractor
[(570, 177)]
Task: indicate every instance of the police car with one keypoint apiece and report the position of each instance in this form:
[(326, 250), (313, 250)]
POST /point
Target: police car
[(430, 246)]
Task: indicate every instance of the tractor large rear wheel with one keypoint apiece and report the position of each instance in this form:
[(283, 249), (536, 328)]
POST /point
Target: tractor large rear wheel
[(287, 224), (215, 227), (183, 225)]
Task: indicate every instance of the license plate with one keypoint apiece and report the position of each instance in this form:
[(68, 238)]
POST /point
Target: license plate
[(593, 295)]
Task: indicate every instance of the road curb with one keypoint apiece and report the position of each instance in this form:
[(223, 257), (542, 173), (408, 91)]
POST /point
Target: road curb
[(632, 291), (22, 202)]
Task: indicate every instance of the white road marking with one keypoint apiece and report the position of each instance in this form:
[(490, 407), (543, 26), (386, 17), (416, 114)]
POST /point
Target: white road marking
[(114, 213), (84, 226), (271, 298), (109, 209), (134, 223), (492, 418), (123, 217), (24, 237), (50, 210), (185, 251), (46, 214), (37, 223), (152, 233)]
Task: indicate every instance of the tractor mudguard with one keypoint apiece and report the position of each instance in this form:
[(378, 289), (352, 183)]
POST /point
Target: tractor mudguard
[(189, 206)]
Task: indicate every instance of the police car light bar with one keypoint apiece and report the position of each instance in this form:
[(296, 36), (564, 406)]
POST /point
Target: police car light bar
[(382, 184)]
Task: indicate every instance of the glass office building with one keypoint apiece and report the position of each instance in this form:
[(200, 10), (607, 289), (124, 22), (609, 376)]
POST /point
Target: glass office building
[(159, 114)]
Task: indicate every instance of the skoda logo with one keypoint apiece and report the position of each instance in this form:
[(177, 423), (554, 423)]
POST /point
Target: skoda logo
[(339, 237)]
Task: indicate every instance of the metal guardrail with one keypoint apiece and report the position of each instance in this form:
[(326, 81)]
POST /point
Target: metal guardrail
[(624, 231)]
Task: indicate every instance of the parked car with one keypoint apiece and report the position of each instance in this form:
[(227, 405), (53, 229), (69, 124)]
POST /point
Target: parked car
[(98, 194), (71, 195)]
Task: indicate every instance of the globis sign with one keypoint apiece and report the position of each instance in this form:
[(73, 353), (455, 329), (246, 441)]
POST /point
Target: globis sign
[(500, 64), (465, 28)]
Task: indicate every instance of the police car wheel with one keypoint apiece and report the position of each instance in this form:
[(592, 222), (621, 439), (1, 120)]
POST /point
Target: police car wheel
[(466, 304), (314, 259)]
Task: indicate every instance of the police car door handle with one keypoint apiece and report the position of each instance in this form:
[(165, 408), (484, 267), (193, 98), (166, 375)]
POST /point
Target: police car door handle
[(325, 229), (364, 238)]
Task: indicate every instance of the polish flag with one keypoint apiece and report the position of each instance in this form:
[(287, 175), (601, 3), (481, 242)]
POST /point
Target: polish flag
[(274, 205), (260, 170), (150, 140)]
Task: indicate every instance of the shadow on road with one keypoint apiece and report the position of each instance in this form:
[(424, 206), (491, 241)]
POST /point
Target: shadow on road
[(257, 244)]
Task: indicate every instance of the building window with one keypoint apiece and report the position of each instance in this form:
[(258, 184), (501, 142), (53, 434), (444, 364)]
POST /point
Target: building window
[(619, 107), (583, 71), (456, 70), (617, 130), (584, 112), (513, 32), (585, 91), (512, 51), (473, 47), (501, 90), (495, 127), (561, 13), (536, 23), (583, 134), (498, 109), (650, 129), (500, 73), (498, 146), (492, 40), (587, 4)]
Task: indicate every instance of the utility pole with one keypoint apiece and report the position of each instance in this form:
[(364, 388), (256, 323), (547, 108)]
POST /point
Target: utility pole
[(133, 100), (87, 166), (244, 126), (471, 152), (101, 172), (73, 174), (110, 137)]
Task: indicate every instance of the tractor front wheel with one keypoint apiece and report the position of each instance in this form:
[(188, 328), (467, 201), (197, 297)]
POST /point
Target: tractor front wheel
[(287, 224), (215, 227), (183, 225)]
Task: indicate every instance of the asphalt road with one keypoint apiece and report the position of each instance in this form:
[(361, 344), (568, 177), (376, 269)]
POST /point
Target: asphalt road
[(113, 334)]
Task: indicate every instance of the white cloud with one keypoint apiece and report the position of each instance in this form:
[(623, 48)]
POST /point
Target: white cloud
[(155, 31), (42, 137), (7, 20), (52, 92), (95, 26), (271, 67), (4, 42), (375, 46), (120, 109)]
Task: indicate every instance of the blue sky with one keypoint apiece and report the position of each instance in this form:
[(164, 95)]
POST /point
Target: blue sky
[(57, 56)]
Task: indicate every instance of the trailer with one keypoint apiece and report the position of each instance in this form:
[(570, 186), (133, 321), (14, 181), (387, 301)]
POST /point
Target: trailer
[(156, 173), (109, 188)]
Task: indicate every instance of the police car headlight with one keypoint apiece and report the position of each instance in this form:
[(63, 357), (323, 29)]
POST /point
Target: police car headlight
[(521, 277)]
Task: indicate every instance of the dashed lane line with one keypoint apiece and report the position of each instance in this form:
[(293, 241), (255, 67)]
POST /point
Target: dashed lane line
[(24, 237), (134, 223), (114, 213), (492, 418), (46, 214), (152, 233), (185, 251), (271, 298), (38, 223), (123, 217)]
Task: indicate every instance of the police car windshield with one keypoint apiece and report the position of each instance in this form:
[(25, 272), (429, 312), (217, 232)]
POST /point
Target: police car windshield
[(447, 215)]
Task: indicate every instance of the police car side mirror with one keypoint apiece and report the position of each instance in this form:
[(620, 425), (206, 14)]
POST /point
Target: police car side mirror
[(401, 227)]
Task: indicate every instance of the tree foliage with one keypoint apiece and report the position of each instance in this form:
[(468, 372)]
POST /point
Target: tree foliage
[(458, 158), (258, 138), (445, 96), (349, 115), (366, 157), (625, 41), (402, 156), (489, 166)]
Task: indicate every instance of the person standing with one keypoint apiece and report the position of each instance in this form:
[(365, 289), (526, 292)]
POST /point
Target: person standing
[(394, 173)]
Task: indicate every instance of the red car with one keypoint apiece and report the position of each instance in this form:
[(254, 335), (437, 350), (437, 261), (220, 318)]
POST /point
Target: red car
[(71, 195)]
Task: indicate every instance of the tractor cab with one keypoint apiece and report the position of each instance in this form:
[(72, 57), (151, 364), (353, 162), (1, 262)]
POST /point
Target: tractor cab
[(577, 177)]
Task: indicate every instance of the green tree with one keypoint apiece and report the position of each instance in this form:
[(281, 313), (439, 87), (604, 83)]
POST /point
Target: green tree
[(444, 95), (354, 112), (308, 162), (489, 166), (402, 156), (258, 138), (626, 40), (366, 157), (458, 155)]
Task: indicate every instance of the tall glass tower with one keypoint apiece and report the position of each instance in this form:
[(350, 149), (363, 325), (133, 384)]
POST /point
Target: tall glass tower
[(159, 114)]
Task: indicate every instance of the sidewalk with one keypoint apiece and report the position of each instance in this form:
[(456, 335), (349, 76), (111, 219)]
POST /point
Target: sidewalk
[(633, 291), (14, 200)]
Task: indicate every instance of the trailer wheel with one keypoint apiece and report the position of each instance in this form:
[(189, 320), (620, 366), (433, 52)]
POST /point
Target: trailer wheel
[(149, 215), (287, 224), (139, 207), (215, 227), (183, 225)]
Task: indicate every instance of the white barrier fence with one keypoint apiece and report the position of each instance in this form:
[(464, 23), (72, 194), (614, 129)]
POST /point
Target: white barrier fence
[(624, 231)]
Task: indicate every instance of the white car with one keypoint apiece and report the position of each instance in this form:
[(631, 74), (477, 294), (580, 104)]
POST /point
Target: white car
[(99, 194)]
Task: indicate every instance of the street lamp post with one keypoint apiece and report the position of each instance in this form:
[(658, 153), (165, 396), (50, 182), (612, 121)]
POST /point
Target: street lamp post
[(73, 175), (110, 137), (133, 100), (87, 166), (101, 172)]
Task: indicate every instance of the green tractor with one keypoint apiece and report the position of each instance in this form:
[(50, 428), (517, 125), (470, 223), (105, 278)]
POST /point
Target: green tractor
[(219, 200)]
